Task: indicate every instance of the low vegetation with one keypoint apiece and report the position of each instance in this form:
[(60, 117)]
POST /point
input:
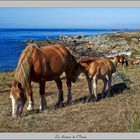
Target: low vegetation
[(136, 53), (119, 113)]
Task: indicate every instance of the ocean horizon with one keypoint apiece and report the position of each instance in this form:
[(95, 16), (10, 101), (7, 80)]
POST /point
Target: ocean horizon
[(12, 41)]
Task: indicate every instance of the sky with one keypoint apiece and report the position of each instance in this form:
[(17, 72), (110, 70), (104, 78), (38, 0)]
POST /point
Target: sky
[(70, 18)]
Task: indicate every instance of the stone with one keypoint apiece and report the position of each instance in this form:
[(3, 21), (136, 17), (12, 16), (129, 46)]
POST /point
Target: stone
[(120, 82), (119, 77)]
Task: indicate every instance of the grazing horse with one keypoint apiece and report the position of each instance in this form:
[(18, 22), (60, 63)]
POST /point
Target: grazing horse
[(42, 64), (121, 59), (94, 69)]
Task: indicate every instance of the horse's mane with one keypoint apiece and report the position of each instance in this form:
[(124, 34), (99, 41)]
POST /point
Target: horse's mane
[(22, 73)]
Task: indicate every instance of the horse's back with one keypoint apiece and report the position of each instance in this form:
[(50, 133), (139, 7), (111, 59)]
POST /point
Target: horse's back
[(111, 65), (55, 48), (105, 66), (58, 55)]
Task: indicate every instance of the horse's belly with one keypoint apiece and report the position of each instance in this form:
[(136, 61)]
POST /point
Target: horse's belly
[(53, 76), (46, 77)]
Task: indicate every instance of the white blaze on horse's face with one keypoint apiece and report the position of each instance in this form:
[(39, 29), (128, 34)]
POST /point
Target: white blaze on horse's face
[(18, 101), (14, 106)]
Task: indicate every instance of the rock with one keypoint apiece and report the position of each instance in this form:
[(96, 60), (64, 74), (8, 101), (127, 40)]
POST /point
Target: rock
[(79, 37), (98, 45), (135, 40), (120, 81)]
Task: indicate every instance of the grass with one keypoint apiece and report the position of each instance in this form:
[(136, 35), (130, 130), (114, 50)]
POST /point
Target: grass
[(119, 113), (135, 53)]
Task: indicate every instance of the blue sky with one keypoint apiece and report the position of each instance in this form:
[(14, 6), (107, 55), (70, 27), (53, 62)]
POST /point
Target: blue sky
[(70, 18)]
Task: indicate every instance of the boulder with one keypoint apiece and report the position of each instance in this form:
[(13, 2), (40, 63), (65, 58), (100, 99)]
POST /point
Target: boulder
[(120, 82)]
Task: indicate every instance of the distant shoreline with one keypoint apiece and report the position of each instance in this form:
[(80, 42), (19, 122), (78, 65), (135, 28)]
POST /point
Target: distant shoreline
[(69, 29)]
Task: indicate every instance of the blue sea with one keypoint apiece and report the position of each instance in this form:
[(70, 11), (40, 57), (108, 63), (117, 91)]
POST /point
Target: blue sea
[(12, 41)]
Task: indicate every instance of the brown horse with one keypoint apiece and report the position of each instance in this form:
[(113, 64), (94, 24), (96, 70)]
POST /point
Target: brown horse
[(42, 64), (122, 59), (94, 69)]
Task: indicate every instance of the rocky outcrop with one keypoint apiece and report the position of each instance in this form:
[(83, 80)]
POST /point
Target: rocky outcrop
[(99, 45), (120, 82), (120, 77)]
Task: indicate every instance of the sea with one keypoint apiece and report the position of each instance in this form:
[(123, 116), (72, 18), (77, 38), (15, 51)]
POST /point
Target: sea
[(12, 41)]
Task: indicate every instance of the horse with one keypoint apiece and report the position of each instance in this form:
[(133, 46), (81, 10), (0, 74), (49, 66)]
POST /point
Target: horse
[(122, 59), (40, 64), (94, 69)]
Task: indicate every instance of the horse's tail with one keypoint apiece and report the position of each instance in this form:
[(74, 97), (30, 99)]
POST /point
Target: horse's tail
[(126, 63)]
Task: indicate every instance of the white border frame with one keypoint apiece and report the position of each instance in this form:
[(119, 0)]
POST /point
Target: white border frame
[(65, 3), (76, 136), (70, 136)]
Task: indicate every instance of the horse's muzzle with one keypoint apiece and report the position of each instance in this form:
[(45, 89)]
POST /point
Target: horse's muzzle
[(17, 112), (14, 114)]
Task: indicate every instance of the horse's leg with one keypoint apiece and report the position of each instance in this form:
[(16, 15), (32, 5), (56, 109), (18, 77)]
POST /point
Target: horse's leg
[(30, 97), (104, 87), (69, 95), (43, 104), (68, 82), (95, 80), (89, 80), (109, 84), (60, 92), (122, 64)]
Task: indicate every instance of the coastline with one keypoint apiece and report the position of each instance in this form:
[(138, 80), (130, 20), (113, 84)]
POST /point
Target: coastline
[(107, 44), (119, 113), (99, 45)]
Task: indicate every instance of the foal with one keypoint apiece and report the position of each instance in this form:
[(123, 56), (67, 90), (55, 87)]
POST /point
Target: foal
[(94, 69), (121, 59)]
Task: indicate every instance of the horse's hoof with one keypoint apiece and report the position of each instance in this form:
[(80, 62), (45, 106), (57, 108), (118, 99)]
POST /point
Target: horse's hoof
[(69, 102), (103, 96), (43, 108), (30, 108), (58, 105), (95, 99), (108, 95), (30, 111), (89, 99)]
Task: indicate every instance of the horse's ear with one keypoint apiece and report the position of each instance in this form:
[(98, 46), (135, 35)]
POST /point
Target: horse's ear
[(19, 85), (9, 85)]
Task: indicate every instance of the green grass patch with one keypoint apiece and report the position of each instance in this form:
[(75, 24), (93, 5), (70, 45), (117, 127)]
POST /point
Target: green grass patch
[(135, 53)]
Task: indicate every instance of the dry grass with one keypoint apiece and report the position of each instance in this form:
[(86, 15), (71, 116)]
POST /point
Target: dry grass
[(119, 113)]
